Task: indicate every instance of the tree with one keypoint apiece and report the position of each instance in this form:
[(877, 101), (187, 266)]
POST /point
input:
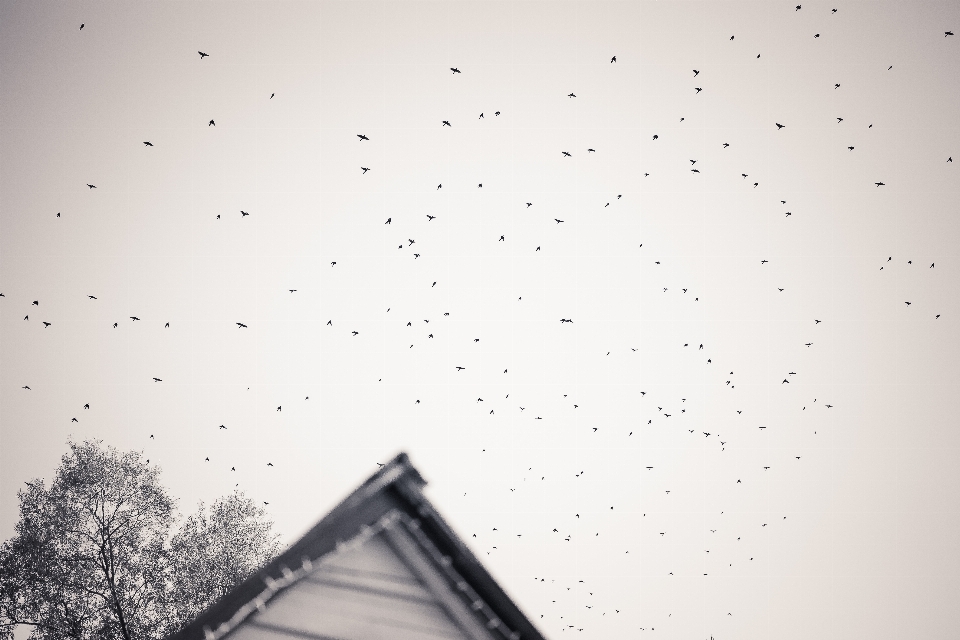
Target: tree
[(95, 554), (215, 550)]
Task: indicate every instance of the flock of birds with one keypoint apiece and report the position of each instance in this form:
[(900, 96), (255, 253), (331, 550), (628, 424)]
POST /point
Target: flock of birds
[(669, 412)]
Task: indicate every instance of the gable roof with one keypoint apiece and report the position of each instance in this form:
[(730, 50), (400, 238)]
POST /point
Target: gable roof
[(389, 505)]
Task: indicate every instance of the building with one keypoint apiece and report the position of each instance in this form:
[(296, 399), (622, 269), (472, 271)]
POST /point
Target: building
[(382, 565)]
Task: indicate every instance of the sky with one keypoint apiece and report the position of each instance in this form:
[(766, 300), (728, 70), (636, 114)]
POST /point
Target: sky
[(758, 367)]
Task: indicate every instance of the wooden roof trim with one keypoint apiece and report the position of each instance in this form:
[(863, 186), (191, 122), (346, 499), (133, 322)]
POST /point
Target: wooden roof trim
[(396, 486)]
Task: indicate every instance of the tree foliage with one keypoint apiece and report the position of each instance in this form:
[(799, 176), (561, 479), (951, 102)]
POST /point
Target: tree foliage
[(97, 553)]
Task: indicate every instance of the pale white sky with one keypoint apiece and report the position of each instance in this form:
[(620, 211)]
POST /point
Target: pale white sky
[(857, 538)]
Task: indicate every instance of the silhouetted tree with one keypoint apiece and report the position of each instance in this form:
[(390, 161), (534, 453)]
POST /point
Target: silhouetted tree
[(96, 554)]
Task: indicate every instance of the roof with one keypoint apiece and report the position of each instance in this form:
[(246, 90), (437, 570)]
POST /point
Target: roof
[(389, 506)]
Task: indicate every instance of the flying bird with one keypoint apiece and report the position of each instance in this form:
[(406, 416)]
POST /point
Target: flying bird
[(365, 169), (157, 380), (613, 59), (455, 70), (567, 154), (779, 126), (362, 137), (147, 143), (879, 184), (240, 325), (203, 55), (211, 124), (446, 123), (243, 213), (81, 26), (92, 186)]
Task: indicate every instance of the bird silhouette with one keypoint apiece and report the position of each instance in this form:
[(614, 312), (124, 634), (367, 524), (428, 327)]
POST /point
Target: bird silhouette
[(81, 26), (455, 70), (780, 126), (365, 169), (211, 124), (243, 213), (203, 55), (446, 123), (240, 325), (92, 186), (566, 154), (147, 143)]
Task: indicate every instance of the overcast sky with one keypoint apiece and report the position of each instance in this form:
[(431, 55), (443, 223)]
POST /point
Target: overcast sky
[(734, 275)]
